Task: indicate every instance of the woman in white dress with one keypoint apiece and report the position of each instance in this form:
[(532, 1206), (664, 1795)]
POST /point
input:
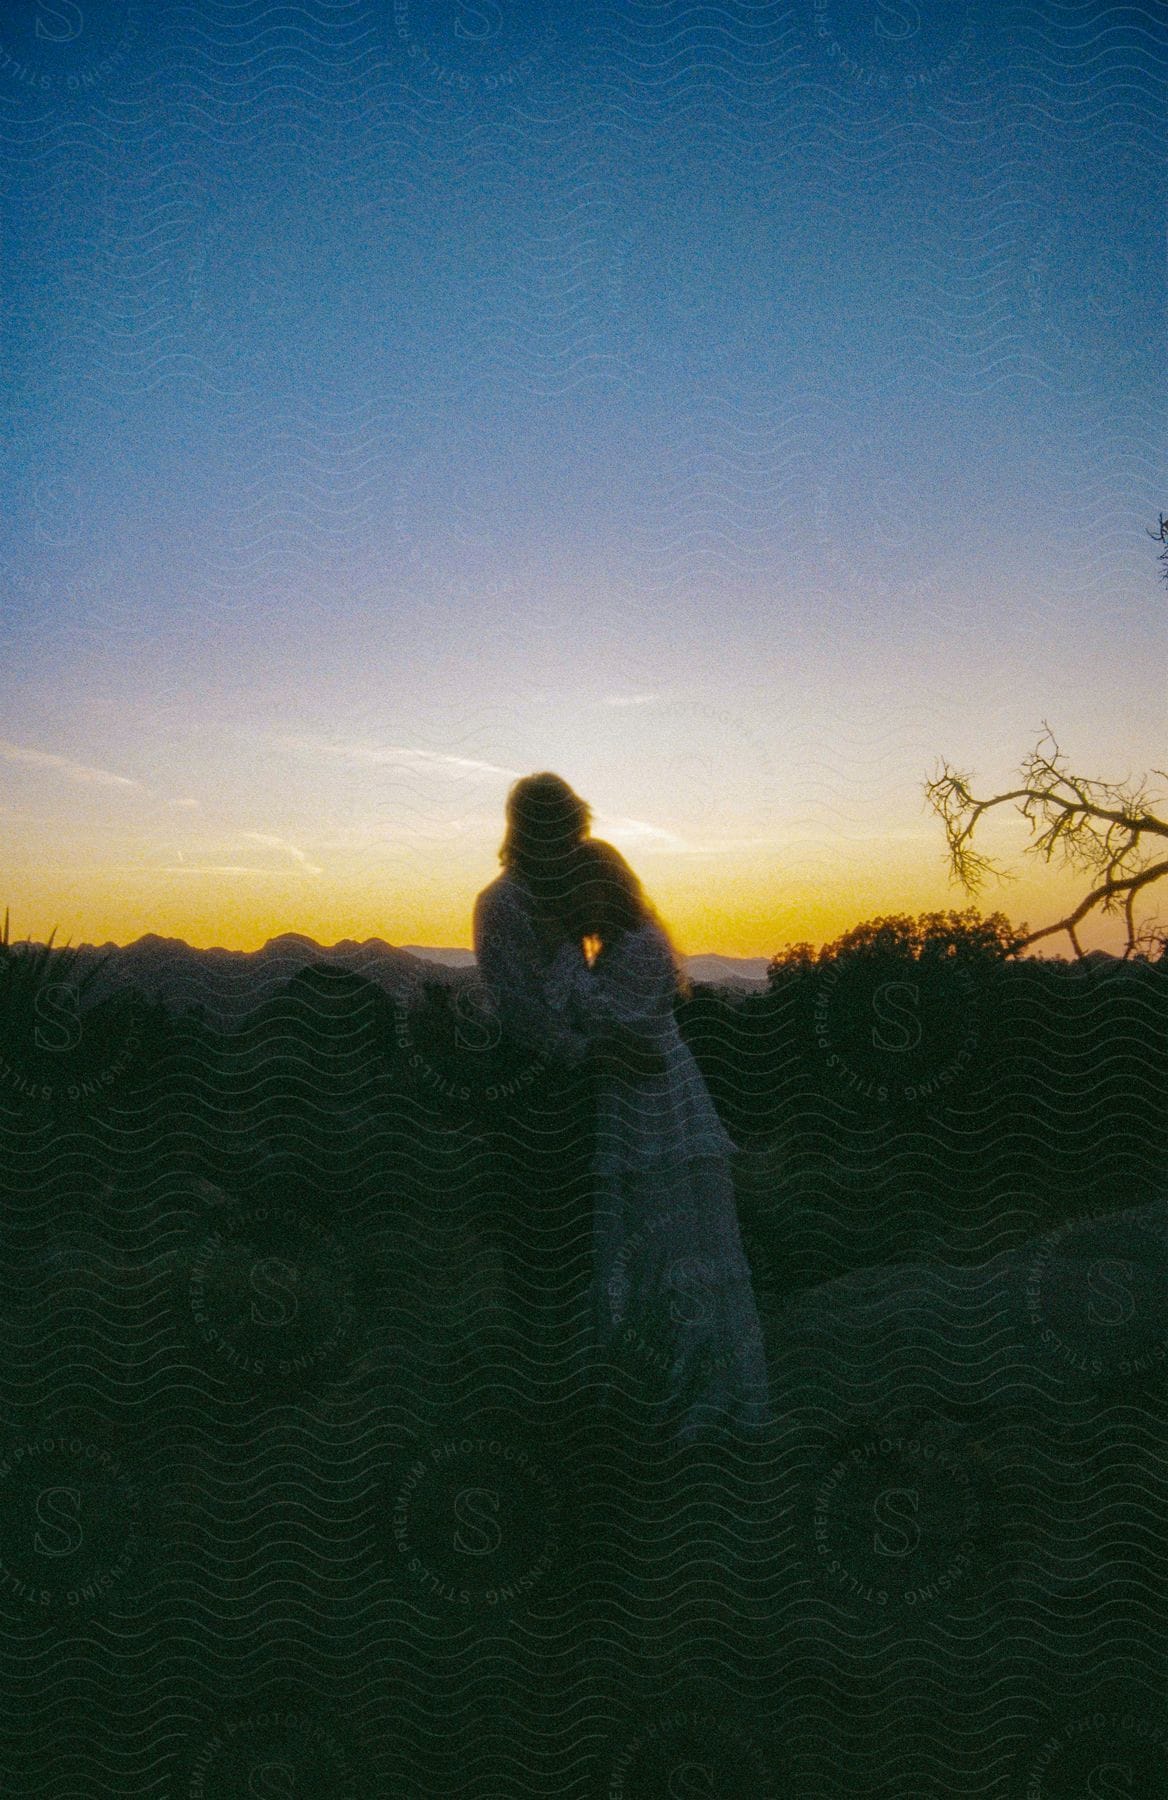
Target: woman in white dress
[(675, 1315)]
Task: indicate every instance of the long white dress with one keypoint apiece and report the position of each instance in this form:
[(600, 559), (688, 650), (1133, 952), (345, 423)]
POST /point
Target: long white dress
[(675, 1314)]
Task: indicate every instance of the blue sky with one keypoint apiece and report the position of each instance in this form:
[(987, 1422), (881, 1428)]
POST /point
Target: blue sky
[(735, 407)]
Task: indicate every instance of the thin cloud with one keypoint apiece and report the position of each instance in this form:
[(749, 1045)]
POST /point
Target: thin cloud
[(639, 834), (631, 699), (64, 765), (401, 756), (637, 831), (634, 833), (279, 843), (728, 847)]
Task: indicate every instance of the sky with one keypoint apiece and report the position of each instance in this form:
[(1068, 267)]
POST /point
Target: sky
[(736, 408)]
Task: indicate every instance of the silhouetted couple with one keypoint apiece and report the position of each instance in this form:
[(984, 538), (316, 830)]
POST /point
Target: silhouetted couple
[(673, 1312)]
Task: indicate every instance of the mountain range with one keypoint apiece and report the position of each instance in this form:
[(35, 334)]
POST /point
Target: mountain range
[(231, 983), (718, 971)]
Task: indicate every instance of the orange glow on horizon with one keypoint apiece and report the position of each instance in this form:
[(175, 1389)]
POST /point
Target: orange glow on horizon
[(739, 911)]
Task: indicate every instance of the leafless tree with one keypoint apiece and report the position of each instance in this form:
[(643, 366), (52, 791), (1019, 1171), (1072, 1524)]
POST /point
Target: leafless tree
[(1105, 829), (1160, 536)]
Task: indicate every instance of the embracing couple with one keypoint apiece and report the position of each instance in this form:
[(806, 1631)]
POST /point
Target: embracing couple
[(674, 1318)]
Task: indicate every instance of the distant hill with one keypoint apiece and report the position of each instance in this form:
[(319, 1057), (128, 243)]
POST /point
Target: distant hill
[(728, 971), (450, 959), (719, 971), (230, 983)]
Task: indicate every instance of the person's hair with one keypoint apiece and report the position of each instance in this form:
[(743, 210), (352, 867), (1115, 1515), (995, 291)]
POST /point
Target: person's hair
[(546, 819), (601, 883)]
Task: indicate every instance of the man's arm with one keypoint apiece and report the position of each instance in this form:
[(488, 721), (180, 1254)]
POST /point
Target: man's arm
[(509, 962)]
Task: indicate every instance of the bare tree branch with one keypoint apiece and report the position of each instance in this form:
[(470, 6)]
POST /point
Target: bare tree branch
[(1104, 897), (1098, 827), (1160, 536)]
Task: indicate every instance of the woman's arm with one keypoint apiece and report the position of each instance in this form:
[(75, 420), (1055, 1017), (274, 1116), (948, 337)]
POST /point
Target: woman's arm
[(633, 984), (629, 1000)]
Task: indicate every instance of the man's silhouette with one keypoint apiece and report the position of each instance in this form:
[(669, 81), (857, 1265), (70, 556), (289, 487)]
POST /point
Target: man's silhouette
[(542, 1135), (513, 944)]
